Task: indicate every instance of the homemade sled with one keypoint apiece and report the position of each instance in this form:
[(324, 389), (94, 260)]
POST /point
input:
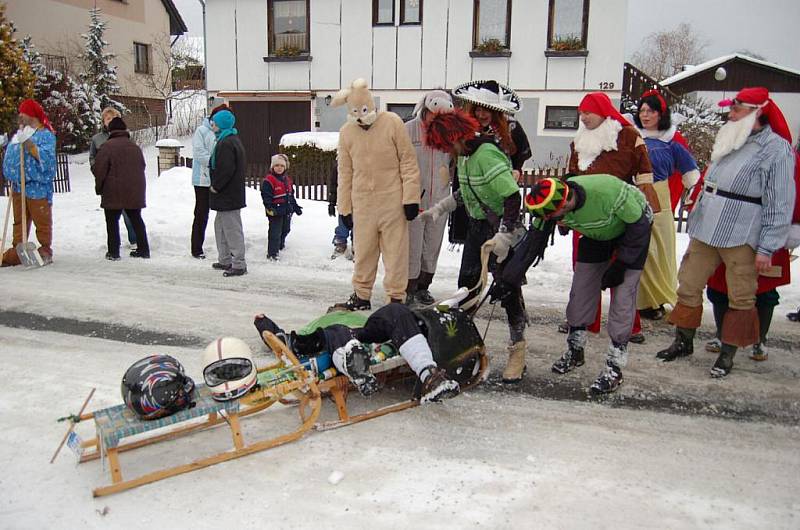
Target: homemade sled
[(275, 382)]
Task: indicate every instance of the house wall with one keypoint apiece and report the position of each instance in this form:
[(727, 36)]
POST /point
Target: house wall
[(56, 25), (402, 62)]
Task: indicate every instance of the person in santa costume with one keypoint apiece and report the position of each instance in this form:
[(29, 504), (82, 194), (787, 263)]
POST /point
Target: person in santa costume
[(490, 194), (766, 294), (609, 144), (667, 156), (36, 141), (742, 218)]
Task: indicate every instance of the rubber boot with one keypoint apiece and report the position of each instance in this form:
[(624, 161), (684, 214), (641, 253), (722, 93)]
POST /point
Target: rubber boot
[(515, 367), (724, 363), (682, 346)]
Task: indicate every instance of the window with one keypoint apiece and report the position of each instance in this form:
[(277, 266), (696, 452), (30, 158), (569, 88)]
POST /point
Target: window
[(288, 27), (404, 110), (410, 11), (491, 27), (567, 25), (561, 118), (141, 58), (383, 12)]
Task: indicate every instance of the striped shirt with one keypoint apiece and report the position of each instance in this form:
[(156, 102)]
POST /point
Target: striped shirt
[(762, 168)]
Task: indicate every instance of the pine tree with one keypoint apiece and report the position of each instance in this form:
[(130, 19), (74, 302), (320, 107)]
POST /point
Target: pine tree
[(16, 77), (99, 73)]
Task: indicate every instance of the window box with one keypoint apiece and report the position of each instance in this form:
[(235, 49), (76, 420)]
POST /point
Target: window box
[(566, 53), (500, 53), (287, 58)]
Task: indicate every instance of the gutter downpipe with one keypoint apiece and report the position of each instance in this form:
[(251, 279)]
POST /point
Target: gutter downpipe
[(205, 53)]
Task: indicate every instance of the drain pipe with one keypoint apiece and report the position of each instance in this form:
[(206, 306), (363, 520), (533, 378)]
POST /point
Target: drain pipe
[(205, 53)]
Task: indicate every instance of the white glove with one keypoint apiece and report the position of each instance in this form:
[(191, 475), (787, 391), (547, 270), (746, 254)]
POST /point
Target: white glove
[(690, 178), (23, 135), (793, 241), (504, 241), (443, 207)]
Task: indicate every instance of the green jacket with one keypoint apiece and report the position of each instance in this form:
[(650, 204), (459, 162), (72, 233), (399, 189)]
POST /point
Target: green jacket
[(610, 205), (487, 174)]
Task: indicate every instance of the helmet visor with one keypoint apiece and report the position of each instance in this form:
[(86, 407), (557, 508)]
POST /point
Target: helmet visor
[(227, 370)]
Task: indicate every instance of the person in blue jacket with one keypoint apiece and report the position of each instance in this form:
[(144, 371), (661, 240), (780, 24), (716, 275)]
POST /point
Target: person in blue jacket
[(278, 195), (203, 143)]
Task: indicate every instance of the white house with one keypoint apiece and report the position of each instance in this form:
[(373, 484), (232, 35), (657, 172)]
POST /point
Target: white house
[(723, 77), (277, 61)]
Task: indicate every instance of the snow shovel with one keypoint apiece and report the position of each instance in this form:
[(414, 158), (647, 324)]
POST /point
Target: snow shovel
[(5, 227), (26, 250)]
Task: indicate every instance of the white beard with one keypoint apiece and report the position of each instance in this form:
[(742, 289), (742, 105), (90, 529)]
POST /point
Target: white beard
[(732, 136), (589, 143)]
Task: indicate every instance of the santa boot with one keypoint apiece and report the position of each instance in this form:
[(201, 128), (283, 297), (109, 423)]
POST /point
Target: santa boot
[(724, 363), (515, 367), (682, 346)]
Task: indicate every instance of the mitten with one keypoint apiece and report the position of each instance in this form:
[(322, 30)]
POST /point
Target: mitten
[(298, 209), (331, 209), (347, 221), (270, 212), (504, 241), (411, 210), (563, 230), (614, 275), (443, 207)]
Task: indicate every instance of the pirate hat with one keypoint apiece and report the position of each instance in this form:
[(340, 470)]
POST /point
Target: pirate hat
[(489, 94), (547, 197)]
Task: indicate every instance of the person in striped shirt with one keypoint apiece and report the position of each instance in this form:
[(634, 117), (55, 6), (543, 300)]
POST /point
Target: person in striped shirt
[(741, 219)]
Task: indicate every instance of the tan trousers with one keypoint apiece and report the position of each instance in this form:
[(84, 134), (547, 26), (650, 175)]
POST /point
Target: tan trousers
[(380, 230), (41, 213)]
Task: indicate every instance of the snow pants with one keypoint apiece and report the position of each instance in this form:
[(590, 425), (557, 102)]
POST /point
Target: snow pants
[(381, 230), (424, 243), (38, 211), (279, 228)]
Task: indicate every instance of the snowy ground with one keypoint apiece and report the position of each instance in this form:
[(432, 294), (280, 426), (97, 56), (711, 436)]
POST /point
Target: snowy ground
[(491, 458)]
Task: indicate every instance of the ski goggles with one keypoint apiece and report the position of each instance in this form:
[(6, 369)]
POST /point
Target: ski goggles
[(227, 370)]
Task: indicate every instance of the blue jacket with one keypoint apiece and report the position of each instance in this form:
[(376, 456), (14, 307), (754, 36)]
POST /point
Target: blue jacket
[(203, 143), (39, 174)]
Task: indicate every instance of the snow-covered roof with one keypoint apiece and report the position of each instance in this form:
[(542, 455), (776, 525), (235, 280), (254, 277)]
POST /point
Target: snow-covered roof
[(713, 63), (326, 141), (168, 142)]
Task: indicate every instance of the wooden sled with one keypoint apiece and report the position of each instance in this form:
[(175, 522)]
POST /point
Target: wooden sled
[(275, 382)]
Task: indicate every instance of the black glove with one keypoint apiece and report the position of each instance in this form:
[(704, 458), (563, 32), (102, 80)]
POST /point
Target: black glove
[(298, 210), (412, 211), (614, 275), (563, 230), (347, 221), (331, 209)]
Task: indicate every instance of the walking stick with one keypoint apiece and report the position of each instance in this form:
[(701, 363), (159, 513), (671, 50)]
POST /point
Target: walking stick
[(72, 423)]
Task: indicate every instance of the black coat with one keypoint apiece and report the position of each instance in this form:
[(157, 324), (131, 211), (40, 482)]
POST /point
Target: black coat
[(227, 177), (119, 173)]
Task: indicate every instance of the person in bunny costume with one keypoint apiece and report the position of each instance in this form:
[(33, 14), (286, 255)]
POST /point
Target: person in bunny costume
[(378, 193)]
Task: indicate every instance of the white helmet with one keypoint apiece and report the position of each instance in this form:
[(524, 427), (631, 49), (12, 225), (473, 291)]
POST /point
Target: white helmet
[(228, 368)]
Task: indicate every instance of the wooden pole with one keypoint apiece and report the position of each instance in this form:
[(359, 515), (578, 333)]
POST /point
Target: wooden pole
[(72, 426)]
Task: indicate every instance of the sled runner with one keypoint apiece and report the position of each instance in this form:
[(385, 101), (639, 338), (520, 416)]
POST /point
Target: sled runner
[(275, 382)]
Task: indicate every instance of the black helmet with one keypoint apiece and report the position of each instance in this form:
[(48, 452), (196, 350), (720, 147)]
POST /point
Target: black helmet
[(156, 386)]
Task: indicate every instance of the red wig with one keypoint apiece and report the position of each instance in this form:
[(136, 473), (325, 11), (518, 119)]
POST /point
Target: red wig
[(443, 130)]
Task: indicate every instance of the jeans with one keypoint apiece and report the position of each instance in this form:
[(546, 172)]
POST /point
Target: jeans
[(112, 231), (129, 228), (341, 233)]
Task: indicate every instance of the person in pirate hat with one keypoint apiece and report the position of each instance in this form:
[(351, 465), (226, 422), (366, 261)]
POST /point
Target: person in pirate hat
[(494, 105), (615, 221), (742, 219)]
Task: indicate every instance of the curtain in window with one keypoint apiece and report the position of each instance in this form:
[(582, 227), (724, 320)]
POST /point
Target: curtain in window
[(385, 12), (289, 19), (492, 21), (567, 20)]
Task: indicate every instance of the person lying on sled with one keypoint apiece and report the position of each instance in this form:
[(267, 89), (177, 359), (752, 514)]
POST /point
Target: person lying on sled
[(350, 353)]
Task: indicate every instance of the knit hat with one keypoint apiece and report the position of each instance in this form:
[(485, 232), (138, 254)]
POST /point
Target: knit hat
[(547, 197), (117, 124), (279, 158), (30, 107), (224, 119), (600, 104)]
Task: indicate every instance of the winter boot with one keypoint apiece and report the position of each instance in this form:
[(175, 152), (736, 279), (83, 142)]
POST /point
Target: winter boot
[(437, 386), (713, 345), (682, 346), (573, 357), (515, 367), (759, 352), (424, 297), (354, 303), (338, 250), (352, 360), (608, 380), (563, 327), (724, 362)]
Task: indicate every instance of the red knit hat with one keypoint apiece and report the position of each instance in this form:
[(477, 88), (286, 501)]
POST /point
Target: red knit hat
[(445, 129), (758, 98), (599, 103), (31, 108)]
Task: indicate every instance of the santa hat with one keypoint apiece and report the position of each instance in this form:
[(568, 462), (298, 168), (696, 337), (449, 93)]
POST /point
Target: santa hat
[(758, 98), (489, 94), (547, 197), (446, 128), (280, 158), (31, 108), (599, 103)]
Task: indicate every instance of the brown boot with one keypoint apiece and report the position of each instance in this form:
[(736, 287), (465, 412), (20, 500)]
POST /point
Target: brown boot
[(515, 367)]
